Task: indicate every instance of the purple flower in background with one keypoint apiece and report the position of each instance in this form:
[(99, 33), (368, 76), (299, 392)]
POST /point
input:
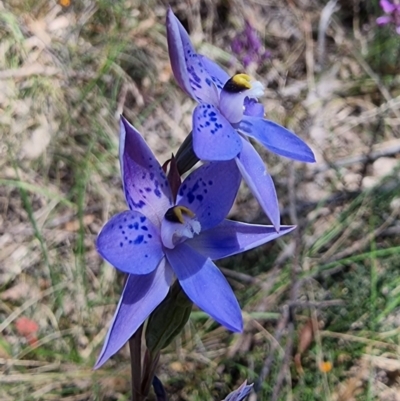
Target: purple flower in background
[(227, 113), (392, 8), (158, 239), (248, 47)]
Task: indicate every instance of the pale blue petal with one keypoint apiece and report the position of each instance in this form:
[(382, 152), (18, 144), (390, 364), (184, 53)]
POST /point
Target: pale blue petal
[(131, 243), (173, 233), (206, 286), (202, 87), (253, 108), (145, 184), (209, 192), (141, 295), (231, 105), (214, 138), (217, 74), (231, 237), (259, 181), (276, 138)]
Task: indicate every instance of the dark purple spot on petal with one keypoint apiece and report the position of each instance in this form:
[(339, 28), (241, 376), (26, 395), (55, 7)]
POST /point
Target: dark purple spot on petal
[(138, 240), (190, 197), (138, 205)]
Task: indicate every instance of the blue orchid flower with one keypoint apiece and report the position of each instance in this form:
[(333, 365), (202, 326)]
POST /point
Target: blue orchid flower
[(159, 239), (228, 113)]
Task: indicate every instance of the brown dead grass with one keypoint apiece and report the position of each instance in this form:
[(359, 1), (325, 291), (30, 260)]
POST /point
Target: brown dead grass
[(66, 74)]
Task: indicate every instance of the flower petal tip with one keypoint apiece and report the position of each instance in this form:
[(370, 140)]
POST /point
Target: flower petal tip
[(171, 17), (99, 363), (127, 126), (239, 328), (311, 157), (234, 326), (236, 323)]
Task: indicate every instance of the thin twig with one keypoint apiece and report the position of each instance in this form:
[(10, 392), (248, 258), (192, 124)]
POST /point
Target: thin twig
[(284, 371), (324, 22), (316, 305), (269, 360), (29, 70), (243, 277)]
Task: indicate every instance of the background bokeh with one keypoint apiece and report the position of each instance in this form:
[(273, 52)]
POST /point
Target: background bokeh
[(321, 306)]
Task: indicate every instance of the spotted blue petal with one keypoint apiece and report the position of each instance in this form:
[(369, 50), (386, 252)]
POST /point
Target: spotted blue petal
[(218, 76), (176, 52), (131, 243), (145, 184), (187, 65), (214, 138), (209, 192)]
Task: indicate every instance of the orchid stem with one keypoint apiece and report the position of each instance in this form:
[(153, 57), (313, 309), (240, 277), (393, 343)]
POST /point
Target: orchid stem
[(149, 367), (135, 345)]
